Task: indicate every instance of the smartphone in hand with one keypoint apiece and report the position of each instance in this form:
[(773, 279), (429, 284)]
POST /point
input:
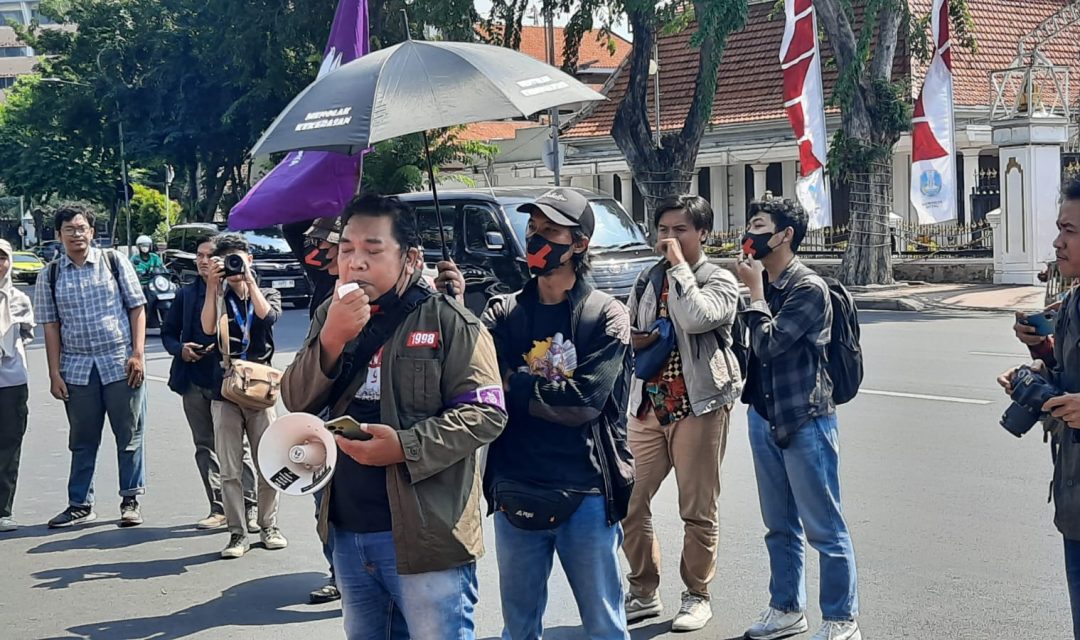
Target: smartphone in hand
[(1043, 321), (346, 427)]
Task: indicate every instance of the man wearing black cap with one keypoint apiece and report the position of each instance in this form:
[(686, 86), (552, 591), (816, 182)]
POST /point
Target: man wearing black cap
[(559, 477)]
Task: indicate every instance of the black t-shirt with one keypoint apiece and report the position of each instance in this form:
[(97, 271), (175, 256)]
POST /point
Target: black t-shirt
[(537, 451), (358, 500), (241, 314)]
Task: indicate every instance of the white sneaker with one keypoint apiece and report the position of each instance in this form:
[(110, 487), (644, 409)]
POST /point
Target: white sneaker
[(694, 613), (775, 624), (640, 607), (834, 630)]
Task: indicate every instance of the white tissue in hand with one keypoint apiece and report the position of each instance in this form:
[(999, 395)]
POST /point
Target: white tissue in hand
[(346, 289)]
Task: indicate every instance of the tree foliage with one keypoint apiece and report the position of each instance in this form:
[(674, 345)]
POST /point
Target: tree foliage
[(399, 165), (193, 81), (50, 145)]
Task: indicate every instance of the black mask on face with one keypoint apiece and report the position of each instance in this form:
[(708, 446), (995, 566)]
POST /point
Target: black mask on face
[(756, 245), (389, 300), (316, 257), (543, 255)]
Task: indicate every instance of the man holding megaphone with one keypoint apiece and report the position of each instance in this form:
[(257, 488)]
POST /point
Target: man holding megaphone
[(419, 373)]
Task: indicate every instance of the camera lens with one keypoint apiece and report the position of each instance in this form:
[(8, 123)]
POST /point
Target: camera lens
[(234, 265)]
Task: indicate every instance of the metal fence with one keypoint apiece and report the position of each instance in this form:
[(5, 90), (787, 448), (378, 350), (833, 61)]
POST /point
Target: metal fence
[(916, 240)]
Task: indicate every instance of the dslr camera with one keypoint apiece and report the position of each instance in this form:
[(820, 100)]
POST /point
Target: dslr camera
[(234, 264), (1030, 392)]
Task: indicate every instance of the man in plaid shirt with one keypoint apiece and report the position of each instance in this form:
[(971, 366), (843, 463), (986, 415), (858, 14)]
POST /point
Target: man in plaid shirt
[(793, 430), (93, 311)]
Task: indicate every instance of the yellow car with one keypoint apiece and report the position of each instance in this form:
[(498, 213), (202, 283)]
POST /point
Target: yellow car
[(25, 267)]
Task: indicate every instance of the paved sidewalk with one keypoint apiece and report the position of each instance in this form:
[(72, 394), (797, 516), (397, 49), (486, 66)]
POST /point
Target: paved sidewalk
[(979, 297)]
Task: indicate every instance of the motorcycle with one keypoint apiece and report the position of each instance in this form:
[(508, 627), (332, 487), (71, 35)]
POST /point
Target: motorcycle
[(160, 291)]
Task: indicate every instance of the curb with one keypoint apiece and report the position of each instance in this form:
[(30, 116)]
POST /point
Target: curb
[(888, 304)]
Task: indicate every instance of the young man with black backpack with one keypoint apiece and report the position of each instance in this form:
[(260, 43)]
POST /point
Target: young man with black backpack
[(559, 477), (681, 317), (799, 342)]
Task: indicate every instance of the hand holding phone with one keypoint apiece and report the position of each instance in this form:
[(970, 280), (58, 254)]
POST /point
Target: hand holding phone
[(346, 427), (1042, 321)]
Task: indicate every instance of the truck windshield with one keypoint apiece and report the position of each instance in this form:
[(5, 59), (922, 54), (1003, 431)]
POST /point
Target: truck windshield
[(267, 243), (613, 227)]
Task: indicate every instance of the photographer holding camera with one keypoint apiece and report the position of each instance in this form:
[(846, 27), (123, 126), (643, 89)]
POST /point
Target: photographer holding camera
[(1050, 389), (251, 313)]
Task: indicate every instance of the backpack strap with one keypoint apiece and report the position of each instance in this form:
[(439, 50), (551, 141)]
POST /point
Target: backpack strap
[(591, 315)]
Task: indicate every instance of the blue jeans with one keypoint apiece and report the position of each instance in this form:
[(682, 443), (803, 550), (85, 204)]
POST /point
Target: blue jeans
[(87, 407), (589, 552), (1072, 575), (379, 604), (799, 490)]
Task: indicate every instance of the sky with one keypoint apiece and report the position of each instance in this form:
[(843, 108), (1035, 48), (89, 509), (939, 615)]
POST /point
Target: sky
[(484, 6)]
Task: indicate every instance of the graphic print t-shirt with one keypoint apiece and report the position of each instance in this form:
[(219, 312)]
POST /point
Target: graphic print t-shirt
[(541, 452), (358, 501)]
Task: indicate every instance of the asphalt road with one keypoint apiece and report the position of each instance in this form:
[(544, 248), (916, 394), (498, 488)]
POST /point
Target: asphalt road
[(948, 513)]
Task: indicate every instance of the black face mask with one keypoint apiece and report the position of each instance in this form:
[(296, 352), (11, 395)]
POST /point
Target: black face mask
[(543, 255), (389, 300), (316, 257), (756, 245)]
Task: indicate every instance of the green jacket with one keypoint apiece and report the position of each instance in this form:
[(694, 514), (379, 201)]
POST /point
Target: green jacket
[(432, 396), (144, 266)]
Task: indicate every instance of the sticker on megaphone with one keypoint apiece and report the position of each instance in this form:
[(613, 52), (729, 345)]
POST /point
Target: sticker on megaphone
[(297, 454)]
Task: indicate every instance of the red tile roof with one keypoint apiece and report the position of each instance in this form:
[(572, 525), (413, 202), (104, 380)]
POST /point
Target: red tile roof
[(593, 53), (749, 87), (999, 25), (494, 130)]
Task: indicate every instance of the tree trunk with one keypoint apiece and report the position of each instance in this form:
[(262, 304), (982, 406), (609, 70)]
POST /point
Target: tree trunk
[(868, 258)]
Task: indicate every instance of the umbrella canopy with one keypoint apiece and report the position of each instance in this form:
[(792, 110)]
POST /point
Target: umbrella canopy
[(416, 86)]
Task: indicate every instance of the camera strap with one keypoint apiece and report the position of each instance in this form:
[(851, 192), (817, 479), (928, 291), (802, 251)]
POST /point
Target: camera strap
[(244, 320)]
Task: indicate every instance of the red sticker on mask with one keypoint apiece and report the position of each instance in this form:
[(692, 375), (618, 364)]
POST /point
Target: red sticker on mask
[(429, 339)]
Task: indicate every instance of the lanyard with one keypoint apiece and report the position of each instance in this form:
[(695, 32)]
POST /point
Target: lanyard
[(244, 321)]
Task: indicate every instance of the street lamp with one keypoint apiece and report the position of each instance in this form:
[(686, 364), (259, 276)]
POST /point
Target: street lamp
[(123, 159)]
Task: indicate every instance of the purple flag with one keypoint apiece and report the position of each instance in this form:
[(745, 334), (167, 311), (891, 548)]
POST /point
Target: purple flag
[(311, 184)]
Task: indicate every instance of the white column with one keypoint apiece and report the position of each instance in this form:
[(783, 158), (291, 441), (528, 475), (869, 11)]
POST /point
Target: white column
[(694, 184), (605, 184), (627, 199), (759, 180), (1029, 157), (718, 182), (739, 199), (971, 180), (788, 177), (901, 173)]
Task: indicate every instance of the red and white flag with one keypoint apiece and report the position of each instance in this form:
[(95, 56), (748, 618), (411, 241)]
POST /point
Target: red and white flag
[(804, 102), (933, 157)]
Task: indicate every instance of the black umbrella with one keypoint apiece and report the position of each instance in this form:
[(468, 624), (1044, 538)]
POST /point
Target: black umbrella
[(413, 87)]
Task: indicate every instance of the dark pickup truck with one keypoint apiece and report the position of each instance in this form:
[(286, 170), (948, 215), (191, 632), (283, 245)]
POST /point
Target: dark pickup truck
[(486, 234)]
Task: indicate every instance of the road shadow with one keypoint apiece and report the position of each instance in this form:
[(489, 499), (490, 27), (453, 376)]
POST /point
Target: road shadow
[(114, 538), (26, 531), (645, 632), (141, 570), (256, 603)]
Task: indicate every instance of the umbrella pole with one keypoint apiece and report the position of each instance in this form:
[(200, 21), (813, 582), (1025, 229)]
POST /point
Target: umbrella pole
[(438, 208)]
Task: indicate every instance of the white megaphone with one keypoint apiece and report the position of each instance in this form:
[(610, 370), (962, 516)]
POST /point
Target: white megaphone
[(297, 454)]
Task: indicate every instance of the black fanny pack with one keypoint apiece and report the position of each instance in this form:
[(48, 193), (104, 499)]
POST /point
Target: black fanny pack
[(535, 508)]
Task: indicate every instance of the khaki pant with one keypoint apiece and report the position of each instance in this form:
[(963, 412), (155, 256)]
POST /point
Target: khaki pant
[(231, 422), (694, 446)]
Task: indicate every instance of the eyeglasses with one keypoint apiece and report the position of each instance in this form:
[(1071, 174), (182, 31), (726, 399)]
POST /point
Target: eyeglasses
[(75, 231)]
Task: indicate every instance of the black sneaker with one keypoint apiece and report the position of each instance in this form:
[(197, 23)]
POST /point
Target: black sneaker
[(129, 512), (237, 547), (72, 516), (326, 593)]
